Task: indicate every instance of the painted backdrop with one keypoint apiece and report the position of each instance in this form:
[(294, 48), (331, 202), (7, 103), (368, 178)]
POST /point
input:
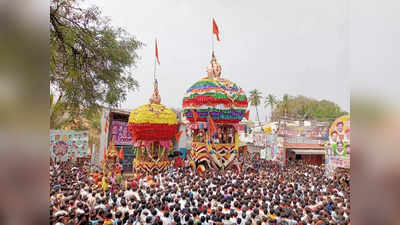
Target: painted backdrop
[(65, 144)]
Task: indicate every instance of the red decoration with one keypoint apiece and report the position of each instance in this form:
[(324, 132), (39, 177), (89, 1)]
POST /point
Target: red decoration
[(247, 115), (154, 132), (224, 121)]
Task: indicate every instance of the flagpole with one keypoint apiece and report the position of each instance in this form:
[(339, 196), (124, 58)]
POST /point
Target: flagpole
[(212, 41), (212, 37), (155, 61), (155, 67)]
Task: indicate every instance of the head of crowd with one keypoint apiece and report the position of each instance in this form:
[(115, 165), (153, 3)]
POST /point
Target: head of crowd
[(262, 192)]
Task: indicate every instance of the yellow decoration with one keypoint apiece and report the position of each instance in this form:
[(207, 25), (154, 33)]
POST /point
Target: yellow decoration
[(153, 113), (267, 129), (236, 141), (201, 168)]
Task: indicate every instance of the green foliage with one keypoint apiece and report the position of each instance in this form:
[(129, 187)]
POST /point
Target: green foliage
[(64, 117), (255, 100), (255, 97), (90, 60), (270, 101), (58, 109), (304, 108)]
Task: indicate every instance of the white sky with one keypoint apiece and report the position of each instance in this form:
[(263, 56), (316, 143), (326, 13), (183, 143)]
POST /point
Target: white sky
[(286, 46)]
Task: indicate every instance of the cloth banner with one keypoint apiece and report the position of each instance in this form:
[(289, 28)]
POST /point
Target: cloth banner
[(120, 134), (66, 144)]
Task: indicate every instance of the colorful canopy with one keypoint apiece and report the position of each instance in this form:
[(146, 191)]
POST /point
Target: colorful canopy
[(221, 98), (153, 122)]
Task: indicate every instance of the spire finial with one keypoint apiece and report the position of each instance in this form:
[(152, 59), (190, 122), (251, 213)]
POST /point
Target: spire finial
[(155, 98), (214, 69), (213, 58)]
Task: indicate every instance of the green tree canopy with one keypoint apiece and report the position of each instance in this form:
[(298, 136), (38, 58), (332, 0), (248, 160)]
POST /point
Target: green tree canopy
[(90, 60), (304, 108)]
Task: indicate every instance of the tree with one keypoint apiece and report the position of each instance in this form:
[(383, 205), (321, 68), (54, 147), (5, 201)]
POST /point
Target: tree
[(285, 105), (58, 109), (255, 100), (90, 61), (304, 108), (270, 101), (61, 119)]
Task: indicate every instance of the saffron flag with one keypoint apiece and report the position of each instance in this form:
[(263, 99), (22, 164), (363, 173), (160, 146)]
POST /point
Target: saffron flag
[(212, 127), (134, 137), (215, 29), (121, 153), (158, 60), (195, 116), (178, 135), (247, 114), (106, 127)]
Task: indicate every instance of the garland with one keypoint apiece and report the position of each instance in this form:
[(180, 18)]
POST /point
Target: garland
[(221, 98), (216, 95), (212, 101), (153, 113), (207, 83), (219, 116)]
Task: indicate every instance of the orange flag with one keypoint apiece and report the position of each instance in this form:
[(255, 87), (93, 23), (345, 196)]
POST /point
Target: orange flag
[(158, 60), (247, 114), (212, 127), (178, 135), (215, 29), (121, 153), (134, 137), (195, 115), (106, 127)]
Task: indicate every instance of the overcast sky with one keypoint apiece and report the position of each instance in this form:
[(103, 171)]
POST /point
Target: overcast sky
[(286, 46)]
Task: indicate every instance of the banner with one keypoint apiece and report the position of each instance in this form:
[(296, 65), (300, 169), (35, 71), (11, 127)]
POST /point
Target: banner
[(120, 133), (339, 161), (69, 144), (339, 136), (309, 132)]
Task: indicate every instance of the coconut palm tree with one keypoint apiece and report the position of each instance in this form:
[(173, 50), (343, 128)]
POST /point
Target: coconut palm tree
[(285, 104), (270, 101), (255, 100)]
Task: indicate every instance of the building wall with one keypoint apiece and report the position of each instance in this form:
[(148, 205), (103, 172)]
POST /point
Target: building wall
[(103, 137)]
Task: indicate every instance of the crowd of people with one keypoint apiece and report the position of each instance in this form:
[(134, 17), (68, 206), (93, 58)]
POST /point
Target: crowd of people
[(262, 192)]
